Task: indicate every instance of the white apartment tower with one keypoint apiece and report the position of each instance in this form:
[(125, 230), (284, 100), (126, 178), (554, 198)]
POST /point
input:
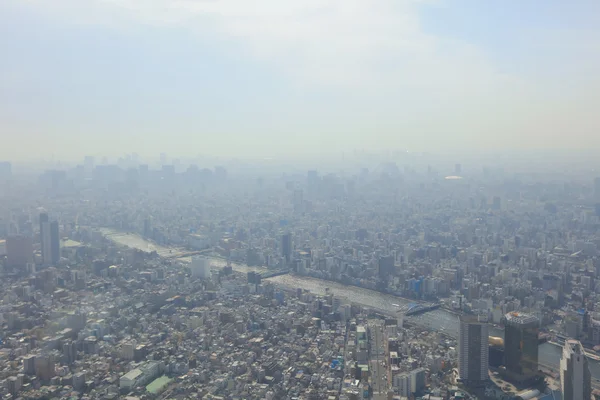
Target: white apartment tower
[(473, 356), (200, 267)]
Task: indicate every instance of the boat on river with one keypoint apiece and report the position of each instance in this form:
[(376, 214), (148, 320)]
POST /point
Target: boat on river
[(415, 309)]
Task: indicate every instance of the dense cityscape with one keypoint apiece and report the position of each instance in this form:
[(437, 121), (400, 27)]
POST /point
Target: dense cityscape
[(299, 200), (402, 278)]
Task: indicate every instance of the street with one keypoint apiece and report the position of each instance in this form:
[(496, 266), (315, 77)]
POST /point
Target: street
[(377, 357)]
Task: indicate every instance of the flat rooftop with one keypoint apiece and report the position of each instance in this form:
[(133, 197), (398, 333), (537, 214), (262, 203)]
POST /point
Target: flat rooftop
[(517, 318), (574, 346), (158, 384)]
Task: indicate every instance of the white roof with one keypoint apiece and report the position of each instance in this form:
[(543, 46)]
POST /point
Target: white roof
[(133, 374)]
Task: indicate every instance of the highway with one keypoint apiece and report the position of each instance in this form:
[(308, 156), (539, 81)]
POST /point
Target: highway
[(377, 361)]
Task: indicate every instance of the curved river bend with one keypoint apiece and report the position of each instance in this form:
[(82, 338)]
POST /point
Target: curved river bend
[(549, 354)]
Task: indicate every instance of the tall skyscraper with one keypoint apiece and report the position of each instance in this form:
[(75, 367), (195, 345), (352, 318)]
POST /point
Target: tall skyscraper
[(49, 240), (45, 239), (54, 242), (43, 218), (29, 364), (597, 187), (286, 246), (521, 346), (44, 367), (69, 352), (409, 383), (575, 376), (457, 169), (473, 353)]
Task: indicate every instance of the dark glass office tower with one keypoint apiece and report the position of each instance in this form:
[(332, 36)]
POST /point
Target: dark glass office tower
[(286, 246), (521, 346)]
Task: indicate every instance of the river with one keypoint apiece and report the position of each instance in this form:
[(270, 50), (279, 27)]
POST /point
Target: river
[(549, 354)]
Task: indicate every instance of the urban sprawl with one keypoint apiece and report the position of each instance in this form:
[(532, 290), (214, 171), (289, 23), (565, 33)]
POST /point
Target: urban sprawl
[(397, 281)]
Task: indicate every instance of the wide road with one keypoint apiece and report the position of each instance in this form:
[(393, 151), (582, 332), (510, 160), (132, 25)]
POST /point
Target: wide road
[(377, 359)]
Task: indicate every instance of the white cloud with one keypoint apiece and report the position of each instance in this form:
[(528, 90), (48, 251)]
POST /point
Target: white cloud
[(396, 77), (350, 43)]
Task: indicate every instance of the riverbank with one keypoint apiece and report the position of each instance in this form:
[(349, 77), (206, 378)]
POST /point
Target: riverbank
[(135, 241), (588, 352), (440, 320), (387, 293)]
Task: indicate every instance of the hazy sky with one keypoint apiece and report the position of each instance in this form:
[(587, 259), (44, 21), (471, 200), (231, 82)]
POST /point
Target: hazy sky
[(283, 77)]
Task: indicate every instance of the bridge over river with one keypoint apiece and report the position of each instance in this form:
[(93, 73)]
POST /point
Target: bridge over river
[(438, 319)]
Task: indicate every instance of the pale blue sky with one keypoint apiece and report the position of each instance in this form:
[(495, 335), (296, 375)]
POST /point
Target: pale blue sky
[(279, 78)]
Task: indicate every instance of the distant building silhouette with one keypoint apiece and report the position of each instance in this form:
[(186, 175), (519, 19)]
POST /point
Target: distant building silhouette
[(49, 240)]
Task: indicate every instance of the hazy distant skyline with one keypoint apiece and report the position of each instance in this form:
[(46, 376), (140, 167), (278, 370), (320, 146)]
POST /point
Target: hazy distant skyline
[(276, 78)]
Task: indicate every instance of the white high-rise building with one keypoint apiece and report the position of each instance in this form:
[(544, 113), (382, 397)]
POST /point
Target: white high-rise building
[(400, 318), (575, 376), (409, 383), (200, 267), (473, 353)]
